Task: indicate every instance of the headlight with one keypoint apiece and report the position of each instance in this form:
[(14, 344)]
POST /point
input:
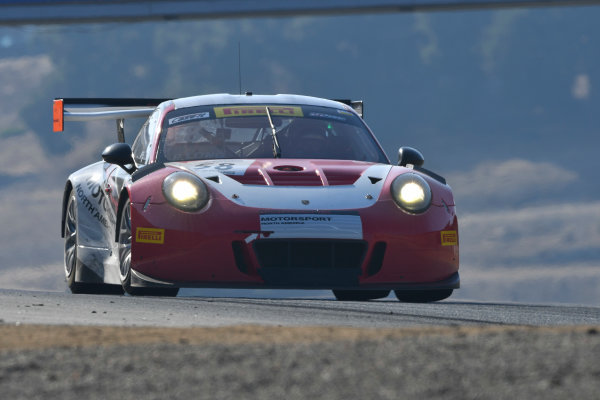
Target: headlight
[(411, 193), (185, 191)]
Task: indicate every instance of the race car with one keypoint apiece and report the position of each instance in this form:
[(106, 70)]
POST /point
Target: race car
[(254, 191)]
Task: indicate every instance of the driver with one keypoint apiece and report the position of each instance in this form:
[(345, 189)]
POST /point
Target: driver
[(185, 142), (306, 138)]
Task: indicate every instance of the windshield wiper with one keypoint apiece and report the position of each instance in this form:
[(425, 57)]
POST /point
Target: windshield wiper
[(276, 148)]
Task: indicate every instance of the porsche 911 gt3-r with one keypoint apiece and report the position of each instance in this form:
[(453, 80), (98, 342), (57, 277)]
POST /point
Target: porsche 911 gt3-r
[(254, 191)]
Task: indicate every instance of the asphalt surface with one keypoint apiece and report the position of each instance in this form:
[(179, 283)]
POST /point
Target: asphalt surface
[(64, 308), (120, 347)]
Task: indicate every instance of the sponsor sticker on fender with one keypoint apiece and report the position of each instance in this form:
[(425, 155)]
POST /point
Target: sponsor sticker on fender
[(251, 111), (314, 226), (150, 235), (449, 238)]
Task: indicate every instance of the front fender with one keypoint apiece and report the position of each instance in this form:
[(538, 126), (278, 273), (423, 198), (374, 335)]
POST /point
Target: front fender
[(95, 218)]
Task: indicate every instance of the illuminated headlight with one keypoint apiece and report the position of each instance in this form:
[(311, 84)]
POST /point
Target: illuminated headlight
[(411, 193), (185, 191)]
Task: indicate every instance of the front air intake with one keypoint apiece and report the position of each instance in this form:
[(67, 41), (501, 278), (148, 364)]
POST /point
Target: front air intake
[(321, 254), (376, 261)]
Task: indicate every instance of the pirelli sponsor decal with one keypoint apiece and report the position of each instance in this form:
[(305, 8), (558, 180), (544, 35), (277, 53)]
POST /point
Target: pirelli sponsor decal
[(449, 238), (251, 111), (150, 235)]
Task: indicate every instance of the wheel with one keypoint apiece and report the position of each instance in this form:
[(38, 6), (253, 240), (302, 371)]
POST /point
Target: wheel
[(72, 264), (125, 260), (360, 295), (424, 296)]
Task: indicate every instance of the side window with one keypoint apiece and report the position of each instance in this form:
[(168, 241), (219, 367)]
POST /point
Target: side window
[(141, 145)]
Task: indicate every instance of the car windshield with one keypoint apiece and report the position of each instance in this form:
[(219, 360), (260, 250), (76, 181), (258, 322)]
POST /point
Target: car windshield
[(248, 131)]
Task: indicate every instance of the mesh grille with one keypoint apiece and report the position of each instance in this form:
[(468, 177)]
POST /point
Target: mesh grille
[(322, 254)]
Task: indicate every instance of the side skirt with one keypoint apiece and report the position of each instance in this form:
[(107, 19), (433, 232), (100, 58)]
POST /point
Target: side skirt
[(94, 265)]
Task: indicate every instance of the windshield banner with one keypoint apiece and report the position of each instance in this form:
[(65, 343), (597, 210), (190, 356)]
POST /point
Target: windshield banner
[(251, 111)]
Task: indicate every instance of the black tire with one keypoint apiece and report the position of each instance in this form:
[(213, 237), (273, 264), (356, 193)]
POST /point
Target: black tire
[(72, 265), (422, 296), (360, 295), (125, 260)]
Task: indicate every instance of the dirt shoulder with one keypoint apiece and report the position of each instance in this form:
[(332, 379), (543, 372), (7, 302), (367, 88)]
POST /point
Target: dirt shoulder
[(272, 362), (15, 337)]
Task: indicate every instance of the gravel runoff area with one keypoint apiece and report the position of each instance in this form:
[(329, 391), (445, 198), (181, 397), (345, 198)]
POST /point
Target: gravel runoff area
[(261, 362)]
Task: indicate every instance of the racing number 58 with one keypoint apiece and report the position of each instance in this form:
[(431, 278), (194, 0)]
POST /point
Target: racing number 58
[(220, 166)]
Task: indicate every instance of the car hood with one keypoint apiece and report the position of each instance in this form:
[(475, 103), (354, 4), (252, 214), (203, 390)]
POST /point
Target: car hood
[(293, 183), (282, 172)]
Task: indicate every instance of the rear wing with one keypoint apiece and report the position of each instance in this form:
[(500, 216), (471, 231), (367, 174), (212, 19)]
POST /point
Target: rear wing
[(94, 109)]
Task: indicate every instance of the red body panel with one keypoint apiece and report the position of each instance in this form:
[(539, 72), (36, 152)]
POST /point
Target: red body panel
[(196, 248)]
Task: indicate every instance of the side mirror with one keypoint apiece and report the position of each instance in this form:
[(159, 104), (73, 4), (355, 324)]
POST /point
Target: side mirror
[(121, 155), (408, 155)]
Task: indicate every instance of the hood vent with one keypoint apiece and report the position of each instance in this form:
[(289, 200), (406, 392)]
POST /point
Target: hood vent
[(303, 173), (288, 168)]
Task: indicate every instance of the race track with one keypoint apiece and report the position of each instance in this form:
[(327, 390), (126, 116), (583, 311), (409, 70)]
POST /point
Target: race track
[(63, 308)]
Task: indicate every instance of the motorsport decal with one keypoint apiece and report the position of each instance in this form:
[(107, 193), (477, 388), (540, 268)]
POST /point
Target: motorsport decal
[(327, 116), (250, 111), (227, 167), (449, 238), (150, 235), (93, 200), (315, 226), (189, 117)]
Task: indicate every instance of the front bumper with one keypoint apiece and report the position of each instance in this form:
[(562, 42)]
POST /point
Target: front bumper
[(224, 247), (453, 282)]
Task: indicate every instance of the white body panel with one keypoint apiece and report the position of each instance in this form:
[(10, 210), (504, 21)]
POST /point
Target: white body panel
[(96, 247), (363, 193)]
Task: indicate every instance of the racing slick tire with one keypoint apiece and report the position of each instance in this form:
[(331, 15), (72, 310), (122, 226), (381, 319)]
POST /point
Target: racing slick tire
[(73, 266), (360, 295), (424, 296), (125, 260)]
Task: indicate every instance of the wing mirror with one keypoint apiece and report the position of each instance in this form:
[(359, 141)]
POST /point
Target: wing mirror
[(408, 155), (120, 154)]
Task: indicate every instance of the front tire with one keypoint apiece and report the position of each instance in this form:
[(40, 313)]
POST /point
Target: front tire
[(424, 296), (360, 295), (125, 260), (73, 266)]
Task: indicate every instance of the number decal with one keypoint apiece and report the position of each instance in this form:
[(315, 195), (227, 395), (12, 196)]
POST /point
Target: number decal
[(229, 167), (224, 166)]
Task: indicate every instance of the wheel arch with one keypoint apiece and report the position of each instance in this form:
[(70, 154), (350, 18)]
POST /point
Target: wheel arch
[(67, 192), (123, 197)]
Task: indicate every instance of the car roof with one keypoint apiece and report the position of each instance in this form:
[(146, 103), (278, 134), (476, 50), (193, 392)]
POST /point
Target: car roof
[(223, 98)]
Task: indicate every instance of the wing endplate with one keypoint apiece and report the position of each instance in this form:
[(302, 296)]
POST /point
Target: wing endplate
[(357, 105), (58, 120)]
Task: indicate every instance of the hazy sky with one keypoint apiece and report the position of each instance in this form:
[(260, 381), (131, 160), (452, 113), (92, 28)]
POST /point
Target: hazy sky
[(502, 103)]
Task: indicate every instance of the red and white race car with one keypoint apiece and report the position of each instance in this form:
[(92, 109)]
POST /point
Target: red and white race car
[(254, 191)]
